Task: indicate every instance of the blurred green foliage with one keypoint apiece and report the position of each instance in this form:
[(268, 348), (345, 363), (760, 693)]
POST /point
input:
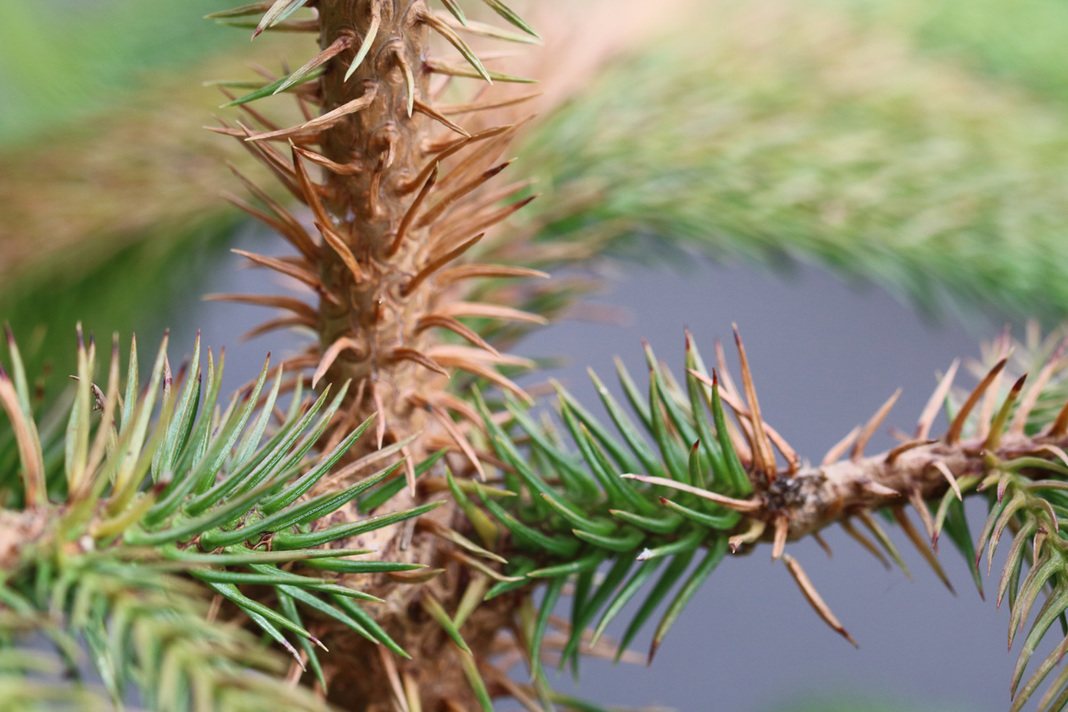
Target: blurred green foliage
[(854, 703), (935, 167), (776, 129), (143, 287), (62, 59), (1021, 43)]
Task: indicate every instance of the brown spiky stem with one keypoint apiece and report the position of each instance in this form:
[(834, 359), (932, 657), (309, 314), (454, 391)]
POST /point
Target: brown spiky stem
[(818, 497), (796, 504), (398, 196), (397, 186), (368, 207), (379, 291)]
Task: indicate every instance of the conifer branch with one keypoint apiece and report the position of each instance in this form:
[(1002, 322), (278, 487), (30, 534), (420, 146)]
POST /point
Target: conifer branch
[(709, 483), (403, 256), (162, 499)]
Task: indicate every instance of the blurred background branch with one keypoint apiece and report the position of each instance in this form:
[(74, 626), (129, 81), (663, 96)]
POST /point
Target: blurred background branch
[(915, 145)]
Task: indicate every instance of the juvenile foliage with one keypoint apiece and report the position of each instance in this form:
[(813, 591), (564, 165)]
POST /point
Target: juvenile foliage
[(122, 535)]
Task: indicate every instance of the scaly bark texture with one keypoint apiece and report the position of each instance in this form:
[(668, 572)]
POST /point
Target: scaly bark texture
[(370, 315), (818, 497)]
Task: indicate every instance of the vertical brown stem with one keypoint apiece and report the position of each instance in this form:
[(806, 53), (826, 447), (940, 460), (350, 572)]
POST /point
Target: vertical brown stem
[(384, 351), (384, 142)]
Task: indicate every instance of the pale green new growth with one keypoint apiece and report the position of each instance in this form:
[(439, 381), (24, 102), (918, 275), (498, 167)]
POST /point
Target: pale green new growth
[(117, 533)]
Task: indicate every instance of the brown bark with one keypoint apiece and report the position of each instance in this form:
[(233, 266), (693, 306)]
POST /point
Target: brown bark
[(818, 497), (383, 143), (385, 354)]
